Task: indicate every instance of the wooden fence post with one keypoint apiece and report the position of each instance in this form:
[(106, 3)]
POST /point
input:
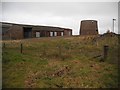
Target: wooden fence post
[(106, 48), (21, 47)]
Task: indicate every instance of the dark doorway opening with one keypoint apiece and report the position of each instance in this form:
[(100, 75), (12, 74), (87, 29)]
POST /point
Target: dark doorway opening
[(42, 33), (27, 32)]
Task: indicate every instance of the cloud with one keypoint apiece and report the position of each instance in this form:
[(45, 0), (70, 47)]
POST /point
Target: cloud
[(63, 14)]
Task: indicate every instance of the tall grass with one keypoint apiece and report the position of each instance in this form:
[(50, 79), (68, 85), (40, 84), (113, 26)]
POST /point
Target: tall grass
[(60, 62)]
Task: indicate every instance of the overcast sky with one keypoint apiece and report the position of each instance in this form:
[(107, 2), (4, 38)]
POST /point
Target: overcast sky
[(62, 14)]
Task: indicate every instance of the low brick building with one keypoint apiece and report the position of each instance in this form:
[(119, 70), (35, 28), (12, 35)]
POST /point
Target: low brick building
[(20, 31), (88, 27)]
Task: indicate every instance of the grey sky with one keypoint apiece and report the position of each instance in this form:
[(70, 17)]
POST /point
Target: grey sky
[(62, 14)]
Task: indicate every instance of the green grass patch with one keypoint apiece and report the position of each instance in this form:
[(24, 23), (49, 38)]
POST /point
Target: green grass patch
[(60, 63)]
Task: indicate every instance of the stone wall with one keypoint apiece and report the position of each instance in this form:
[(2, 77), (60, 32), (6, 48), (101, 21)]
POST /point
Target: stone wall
[(18, 31), (88, 27)]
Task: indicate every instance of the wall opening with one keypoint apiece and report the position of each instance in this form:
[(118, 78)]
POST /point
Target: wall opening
[(51, 34), (61, 33), (27, 32), (55, 33), (37, 34)]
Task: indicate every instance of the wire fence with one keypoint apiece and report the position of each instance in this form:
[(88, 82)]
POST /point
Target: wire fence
[(64, 49)]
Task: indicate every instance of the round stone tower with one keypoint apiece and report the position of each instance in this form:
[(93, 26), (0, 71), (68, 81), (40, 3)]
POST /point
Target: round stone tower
[(88, 27)]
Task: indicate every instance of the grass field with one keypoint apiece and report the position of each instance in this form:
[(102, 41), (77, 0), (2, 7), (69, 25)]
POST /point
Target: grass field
[(60, 62)]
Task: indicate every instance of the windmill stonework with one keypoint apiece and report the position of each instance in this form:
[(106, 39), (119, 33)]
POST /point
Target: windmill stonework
[(88, 27)]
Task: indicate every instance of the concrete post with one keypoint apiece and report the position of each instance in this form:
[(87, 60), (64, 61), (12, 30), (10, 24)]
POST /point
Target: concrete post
[(106, 48), (21, 48)]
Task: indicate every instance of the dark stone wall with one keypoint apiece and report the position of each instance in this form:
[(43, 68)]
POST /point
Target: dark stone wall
[(16, 31), (59, 33), (67, 32), (6, 32), (12, 32), (88, 27), (45, 31)]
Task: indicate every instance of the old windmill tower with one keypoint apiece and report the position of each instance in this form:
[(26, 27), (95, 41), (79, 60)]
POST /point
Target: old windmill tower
[(88, 27)]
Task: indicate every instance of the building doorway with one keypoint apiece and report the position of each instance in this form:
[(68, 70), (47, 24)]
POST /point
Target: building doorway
[(27, 32), (37, 34)]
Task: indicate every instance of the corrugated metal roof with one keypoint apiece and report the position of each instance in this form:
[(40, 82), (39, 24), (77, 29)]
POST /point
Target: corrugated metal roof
[(36, 27)]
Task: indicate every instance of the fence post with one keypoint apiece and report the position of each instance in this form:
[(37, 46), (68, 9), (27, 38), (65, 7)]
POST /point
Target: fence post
[(106, 48), (21, 47)]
